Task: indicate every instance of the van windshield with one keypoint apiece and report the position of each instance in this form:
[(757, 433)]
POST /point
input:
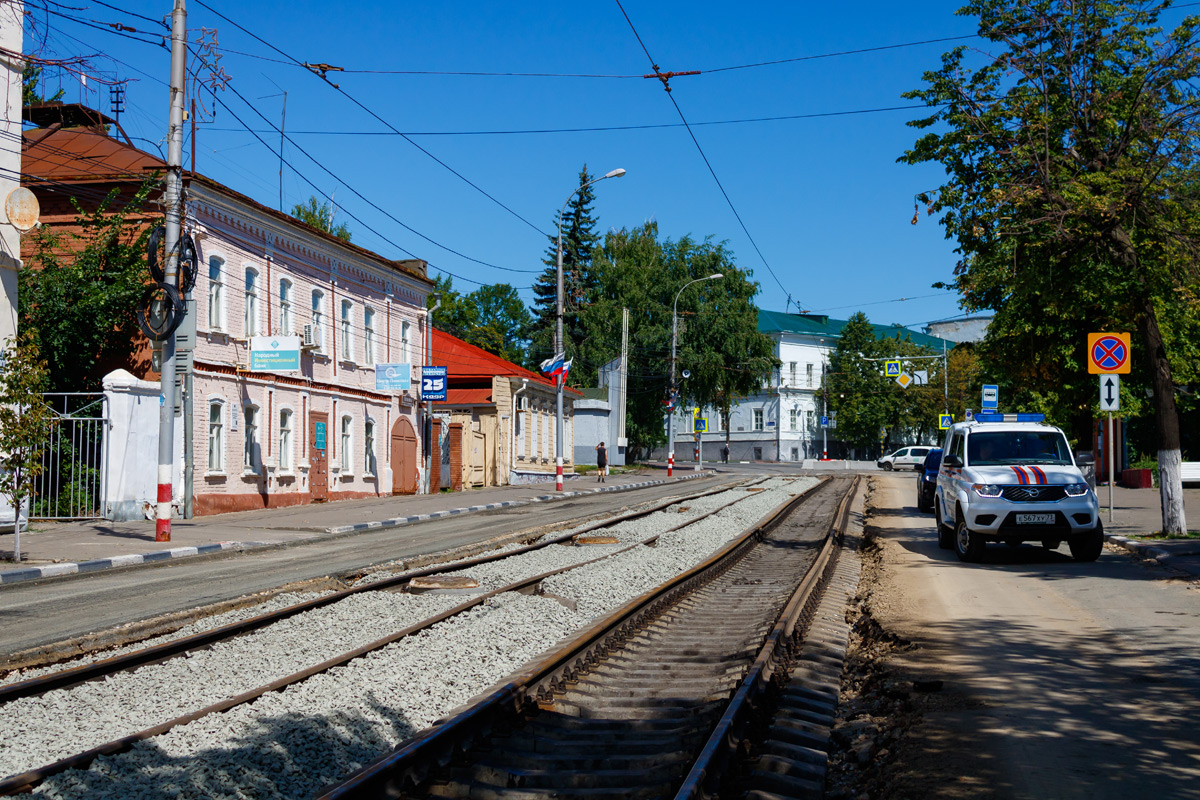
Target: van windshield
[(986, 448)]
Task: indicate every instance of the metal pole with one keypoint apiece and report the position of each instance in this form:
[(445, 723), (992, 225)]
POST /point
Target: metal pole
[(671, 398), (945, 379), (1111, 447), (174, 219), (427, 408)]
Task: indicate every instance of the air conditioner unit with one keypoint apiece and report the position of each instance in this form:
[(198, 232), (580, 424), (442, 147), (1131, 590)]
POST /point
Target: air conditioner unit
[(309, 341)]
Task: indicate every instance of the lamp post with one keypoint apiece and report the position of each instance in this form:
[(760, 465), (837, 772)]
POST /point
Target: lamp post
[(671, 389), (558, 335)]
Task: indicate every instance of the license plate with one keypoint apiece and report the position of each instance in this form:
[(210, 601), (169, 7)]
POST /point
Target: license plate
[(1035, 519)]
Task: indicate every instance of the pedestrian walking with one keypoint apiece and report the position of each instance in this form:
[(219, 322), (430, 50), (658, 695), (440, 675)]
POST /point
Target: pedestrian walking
[(601, 462), (725, 453)]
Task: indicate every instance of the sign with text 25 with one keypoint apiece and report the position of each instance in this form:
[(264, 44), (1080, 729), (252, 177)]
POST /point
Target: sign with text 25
[(433, 383)]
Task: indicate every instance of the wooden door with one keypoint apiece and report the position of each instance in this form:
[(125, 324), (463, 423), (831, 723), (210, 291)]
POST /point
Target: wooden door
[(318, 443), (404, 457)]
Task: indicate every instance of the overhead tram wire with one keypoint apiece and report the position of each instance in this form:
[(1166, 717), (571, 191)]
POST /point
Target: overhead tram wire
[(696, 142), (375, 115)]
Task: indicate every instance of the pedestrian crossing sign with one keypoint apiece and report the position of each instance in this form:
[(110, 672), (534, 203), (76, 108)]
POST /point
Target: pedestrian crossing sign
[(701, 425), (945, 421), (892, 369)]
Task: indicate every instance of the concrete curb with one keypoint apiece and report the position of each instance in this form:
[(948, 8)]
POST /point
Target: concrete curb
[(1140, 548), (116, 562)]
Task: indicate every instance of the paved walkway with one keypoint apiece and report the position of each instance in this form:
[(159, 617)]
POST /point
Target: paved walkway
[(53, 549), (1138, 513)]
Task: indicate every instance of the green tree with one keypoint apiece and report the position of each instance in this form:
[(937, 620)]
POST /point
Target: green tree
[(319, 214), (579, 240), (1071, 157), (455, 315), (25, 422), (492, 317), (855, 388), (30, 96), (78, 291)]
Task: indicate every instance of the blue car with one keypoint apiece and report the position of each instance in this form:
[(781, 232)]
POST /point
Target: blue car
[(927, 475)]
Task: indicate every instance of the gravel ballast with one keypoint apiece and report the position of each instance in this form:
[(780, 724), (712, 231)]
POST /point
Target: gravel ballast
[(290, 743)]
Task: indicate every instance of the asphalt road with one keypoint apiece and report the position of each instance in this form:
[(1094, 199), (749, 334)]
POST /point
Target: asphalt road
[(38, 614), (1062, 679)]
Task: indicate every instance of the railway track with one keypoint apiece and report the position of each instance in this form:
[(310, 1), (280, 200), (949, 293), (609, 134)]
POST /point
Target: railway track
[(639, 705), (99, 672)]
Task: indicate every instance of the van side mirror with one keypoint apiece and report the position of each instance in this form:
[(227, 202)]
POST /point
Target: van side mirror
[(952, 461), (1084, 458)]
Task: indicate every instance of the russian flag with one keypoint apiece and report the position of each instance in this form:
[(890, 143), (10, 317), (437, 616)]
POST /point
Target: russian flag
[(556, 366)]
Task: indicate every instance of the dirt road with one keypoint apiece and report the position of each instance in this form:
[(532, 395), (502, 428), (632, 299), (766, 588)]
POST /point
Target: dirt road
[(1058, 679)]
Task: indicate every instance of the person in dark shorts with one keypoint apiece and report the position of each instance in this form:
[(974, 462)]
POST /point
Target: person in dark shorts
[(601, 462)]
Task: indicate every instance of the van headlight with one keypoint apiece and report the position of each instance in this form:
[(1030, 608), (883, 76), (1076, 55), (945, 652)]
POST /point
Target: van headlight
[(986, 489), (1076, 489)]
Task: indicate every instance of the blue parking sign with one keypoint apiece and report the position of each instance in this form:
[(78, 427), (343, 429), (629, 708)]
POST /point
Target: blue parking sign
[(824, 422)]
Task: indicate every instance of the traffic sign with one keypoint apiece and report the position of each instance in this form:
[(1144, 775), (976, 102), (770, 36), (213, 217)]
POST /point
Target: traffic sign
[(991, 397), (1110, 392), (700, 425), (891, 368), (945, 421), (1108, 353), (824, 422), (903, 380), (969, 414), (433, 383)]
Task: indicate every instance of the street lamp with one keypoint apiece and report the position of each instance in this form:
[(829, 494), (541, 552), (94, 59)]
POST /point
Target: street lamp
[(671, 389), (558, 334)]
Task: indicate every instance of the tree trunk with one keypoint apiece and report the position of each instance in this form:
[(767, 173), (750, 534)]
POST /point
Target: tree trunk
[(1170, 478)]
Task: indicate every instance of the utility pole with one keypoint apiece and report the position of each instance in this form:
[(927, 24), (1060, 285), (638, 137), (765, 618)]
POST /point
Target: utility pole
[(427, 406), (174, 220), (624, 379)]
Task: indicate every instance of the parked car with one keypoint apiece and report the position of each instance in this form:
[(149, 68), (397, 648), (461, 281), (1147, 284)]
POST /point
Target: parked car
[(1012, 478), (927, 480), (905, 457)]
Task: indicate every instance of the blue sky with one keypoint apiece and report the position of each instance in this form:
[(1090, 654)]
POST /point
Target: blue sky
[(823, 198)]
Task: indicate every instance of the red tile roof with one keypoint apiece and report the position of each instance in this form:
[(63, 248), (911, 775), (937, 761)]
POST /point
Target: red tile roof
[(464, 361)]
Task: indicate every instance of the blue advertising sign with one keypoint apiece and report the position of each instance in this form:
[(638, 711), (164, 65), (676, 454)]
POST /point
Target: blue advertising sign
[(433, 383), (274, 353), (319, 437), (393, 377)]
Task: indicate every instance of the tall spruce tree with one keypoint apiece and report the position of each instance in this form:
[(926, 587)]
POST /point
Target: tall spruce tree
[(579, 240)]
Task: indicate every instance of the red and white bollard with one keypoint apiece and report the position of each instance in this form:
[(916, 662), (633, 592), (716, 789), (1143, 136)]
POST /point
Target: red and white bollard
[(558, 475), (162, 522), (670, 463)]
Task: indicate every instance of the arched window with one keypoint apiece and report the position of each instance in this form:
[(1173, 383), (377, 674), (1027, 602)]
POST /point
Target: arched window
[(368, 336), (347, 319), (369, 464), (251, 302), (285, 440), (318, 318), (216, 436), (252, 454), (286, 323), (216, 293), (347, 461)]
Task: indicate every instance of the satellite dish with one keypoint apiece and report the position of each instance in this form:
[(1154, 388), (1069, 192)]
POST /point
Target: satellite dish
[(22, 208), (687, 373)]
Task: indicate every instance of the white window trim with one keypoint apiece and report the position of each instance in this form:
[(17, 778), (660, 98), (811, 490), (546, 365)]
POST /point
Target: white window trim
[(222, 285), (346, 331), (220, 470), (250, 469), (370, 343), (291, 469), (287, 311), (367, 471), (345, 458), (317, 312), (252, 323)]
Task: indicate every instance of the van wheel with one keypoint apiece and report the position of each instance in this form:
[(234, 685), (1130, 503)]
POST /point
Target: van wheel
[(1087, 546), (967, 544), (945, 532), (887, 466)]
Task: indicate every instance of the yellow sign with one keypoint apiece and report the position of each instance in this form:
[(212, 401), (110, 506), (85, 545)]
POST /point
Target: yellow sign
[(945, 421), (696, 412), (891, 368), (1108, 353), (904, 380)]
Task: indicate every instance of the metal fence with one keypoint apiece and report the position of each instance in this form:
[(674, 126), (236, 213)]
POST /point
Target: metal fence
[(73, 462)]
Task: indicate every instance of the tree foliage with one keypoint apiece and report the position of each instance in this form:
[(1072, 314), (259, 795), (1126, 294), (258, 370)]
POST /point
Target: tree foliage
[(718, 340), (31, 76), (1071, 161), (493, 317), (319, 214), (78, 291), (25, 422)]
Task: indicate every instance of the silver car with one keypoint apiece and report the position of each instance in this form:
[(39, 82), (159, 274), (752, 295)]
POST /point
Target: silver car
[(904, 458)]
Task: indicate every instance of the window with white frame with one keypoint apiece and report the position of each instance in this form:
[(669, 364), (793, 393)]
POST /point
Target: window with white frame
[(285, 440), (758, 419), (810, 417), (368, 336), (251, 452), (286, 322), (216, 293), (405, 343), (809, 369), (318, 318), (792, 418), (216, 436), (369, 447), (347, 343), (251, 302), (345, 460), (525, 426), (792, 381)]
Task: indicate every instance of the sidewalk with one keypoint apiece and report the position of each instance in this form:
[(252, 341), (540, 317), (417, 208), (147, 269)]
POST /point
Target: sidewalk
[(1138, 512), (53, 549)]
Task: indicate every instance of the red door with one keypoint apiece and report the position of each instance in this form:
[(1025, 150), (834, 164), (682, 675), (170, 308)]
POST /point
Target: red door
[(318, 473), (404, 457)]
